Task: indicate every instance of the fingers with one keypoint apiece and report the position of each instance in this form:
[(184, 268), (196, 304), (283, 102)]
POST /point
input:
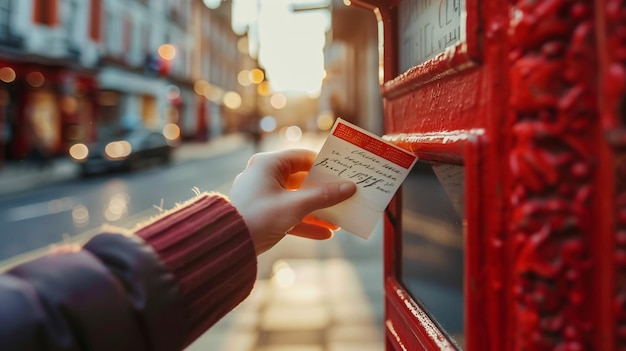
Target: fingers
[(285, 162), (311, 231), (326, 195), (320, 222)]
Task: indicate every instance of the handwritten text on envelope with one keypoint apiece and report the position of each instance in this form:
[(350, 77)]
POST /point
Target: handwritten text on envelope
[(376, 166)]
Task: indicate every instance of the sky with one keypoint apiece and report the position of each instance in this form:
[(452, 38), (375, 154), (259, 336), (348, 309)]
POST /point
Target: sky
[(288, 44)]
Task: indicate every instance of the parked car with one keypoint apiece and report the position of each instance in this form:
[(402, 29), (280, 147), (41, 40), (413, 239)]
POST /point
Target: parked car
[(128, 150)]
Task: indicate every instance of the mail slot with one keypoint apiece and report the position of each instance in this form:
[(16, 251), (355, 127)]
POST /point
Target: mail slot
[(510, 232)]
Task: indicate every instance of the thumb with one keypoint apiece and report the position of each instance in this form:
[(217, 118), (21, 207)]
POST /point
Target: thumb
[(325, 195)]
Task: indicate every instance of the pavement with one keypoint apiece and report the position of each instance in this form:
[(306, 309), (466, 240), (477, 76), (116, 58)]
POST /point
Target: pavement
[(315, 296), (316, 304)]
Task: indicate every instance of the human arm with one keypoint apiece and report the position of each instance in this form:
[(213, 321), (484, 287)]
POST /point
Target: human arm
[(157, 288), (169, 280)]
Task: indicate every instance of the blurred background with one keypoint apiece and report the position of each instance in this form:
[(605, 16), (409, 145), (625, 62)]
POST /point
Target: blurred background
[(113, 109), (78, 71)]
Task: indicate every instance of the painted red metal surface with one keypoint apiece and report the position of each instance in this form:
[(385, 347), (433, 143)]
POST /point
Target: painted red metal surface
[(438, 110), (611, 38), (534, 106)]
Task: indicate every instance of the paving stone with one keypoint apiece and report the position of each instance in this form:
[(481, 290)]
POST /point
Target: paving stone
[(353, 333), (298, 295), (314, 337), (280, 318), (306, 305), (353, 310), (245, 320)]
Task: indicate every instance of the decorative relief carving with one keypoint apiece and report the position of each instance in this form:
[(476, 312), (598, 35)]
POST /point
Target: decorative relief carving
[(552, 165)]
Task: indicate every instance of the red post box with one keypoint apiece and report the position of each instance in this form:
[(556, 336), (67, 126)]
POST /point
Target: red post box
[(518, 109)]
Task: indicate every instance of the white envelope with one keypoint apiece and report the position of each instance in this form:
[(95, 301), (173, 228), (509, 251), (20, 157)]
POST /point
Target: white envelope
[(376, 166)]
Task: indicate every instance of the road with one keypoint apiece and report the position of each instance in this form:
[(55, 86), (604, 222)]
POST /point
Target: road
[(38, 218)]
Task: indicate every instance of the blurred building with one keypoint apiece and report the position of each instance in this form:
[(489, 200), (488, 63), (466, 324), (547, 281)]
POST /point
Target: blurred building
[(351, 88), (49, 51), (163, 64), (216, 62), (78, 70)]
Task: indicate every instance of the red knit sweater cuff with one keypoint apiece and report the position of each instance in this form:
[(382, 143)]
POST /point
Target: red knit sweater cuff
[(207, 247)]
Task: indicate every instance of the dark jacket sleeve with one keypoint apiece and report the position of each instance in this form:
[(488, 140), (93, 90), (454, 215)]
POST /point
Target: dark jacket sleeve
[(115, 294), (156, 290)]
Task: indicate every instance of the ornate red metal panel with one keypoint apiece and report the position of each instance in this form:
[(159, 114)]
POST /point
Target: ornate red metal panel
[(533, 105), (556, 232)]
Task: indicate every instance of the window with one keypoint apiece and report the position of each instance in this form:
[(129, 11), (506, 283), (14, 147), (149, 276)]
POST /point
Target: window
[(5, 17), (95, 23), (146, 29), (113, 29), (128, 34), (45, 12), (433, 252), (70, 16)]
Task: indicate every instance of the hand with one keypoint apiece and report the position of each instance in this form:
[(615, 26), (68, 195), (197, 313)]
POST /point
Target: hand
[(265, 197)]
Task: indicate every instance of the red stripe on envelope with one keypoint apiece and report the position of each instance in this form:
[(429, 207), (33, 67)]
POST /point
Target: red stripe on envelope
[(375, 146)]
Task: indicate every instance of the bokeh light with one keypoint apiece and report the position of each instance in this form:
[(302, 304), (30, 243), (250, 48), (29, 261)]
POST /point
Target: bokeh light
[(200, 86), (293, 133), (244, 78), (213, 93), (167, 52), (79, 152), (117, 207), (268, 124), (325, 121), (35, 79), (80, 216), (171, 132), (283, 276), (256, 76), (118, 149), (263, 89), (7, 74), (278, 101), (232, 100)]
